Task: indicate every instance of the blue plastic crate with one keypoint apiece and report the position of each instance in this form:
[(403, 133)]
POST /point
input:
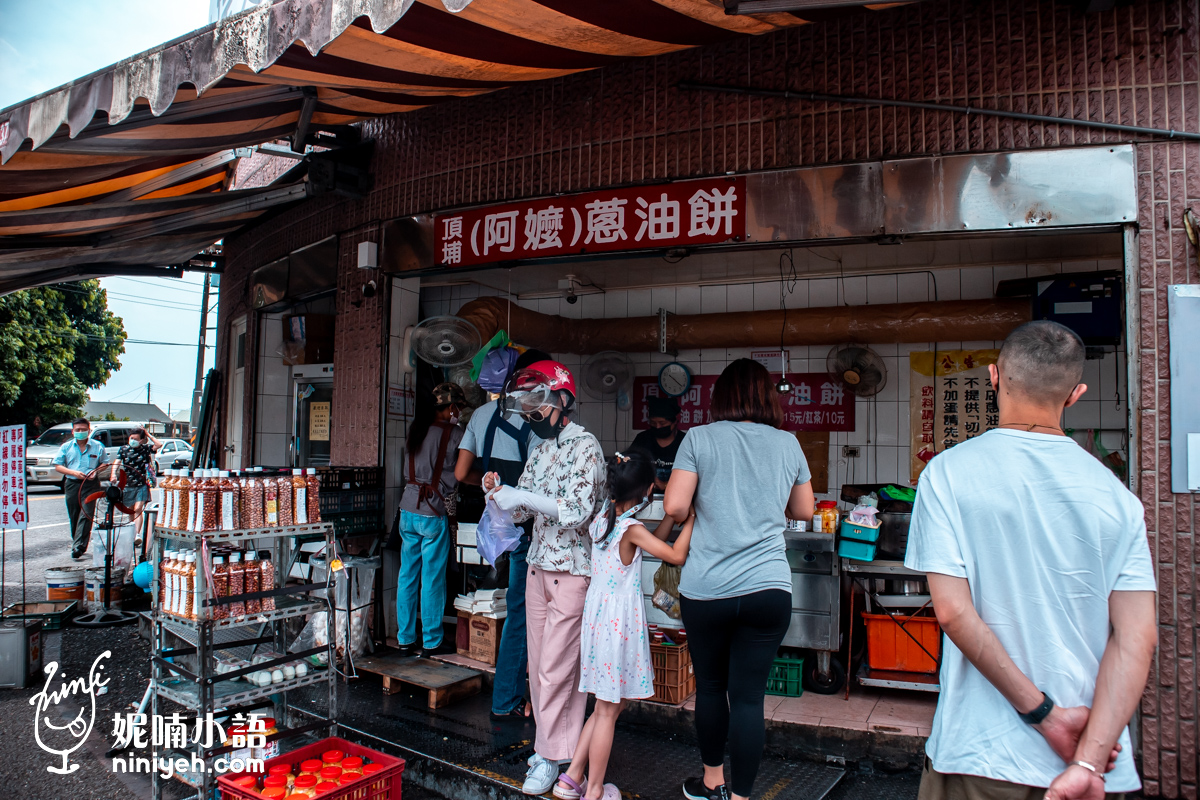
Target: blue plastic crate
[(859, 551), (860, 533)]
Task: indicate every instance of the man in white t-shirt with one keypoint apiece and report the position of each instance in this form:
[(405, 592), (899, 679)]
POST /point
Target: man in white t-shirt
[(1041, 577)]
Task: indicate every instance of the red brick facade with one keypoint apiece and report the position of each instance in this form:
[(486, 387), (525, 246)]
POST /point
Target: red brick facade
[(1138, 64)]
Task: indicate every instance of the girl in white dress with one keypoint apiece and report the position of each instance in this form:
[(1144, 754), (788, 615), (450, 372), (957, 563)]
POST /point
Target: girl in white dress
[(615, 650)]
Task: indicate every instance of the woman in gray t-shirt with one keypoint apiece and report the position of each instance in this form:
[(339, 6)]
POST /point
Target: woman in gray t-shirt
[(745, 477)]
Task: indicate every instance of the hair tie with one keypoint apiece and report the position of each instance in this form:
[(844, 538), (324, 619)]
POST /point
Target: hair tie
[(620, 457)]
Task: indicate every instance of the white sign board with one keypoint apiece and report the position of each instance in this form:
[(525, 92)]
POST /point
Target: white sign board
[(14, 509)]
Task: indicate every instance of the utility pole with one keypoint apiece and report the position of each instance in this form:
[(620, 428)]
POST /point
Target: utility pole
[(147, 393), (198, 392)]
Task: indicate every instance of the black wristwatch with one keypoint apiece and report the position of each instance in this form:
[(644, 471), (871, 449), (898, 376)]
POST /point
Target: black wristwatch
[(1039, 713)]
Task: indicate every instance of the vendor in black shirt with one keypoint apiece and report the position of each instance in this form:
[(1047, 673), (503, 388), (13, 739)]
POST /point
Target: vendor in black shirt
[(663, 438)]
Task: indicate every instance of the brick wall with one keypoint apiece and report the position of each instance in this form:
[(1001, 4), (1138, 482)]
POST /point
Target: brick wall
[(1137, 64)]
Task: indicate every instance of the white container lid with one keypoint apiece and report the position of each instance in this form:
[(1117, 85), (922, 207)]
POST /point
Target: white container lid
[(297, 472), (224, 473), (311, 471)]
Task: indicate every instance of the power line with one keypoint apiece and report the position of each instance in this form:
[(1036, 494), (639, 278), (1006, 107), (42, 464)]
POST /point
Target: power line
[(109, 339), (198, 288)]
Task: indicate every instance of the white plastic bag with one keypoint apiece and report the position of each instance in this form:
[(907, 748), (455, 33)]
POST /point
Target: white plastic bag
[(496, 533), (122, 536)]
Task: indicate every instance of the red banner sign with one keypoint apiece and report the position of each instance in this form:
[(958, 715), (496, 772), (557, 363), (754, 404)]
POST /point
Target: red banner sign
[(706, 211), (815, 404)]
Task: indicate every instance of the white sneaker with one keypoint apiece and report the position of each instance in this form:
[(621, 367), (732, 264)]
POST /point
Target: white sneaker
[(541, 776)]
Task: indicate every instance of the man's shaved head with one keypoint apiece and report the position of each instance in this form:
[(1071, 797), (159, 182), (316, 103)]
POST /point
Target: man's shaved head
[(1042, 361)]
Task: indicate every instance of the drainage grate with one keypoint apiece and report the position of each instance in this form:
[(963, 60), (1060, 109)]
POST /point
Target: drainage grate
[(645, 763)]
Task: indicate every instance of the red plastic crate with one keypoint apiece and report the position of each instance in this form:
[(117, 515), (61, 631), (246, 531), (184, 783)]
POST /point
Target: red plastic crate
[(890, 648), (384, 786)]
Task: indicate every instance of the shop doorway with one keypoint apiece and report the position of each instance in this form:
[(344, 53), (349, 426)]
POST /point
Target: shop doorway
[(237, 393), (312, 405)]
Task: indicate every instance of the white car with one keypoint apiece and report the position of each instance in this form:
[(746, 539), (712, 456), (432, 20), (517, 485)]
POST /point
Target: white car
[(171, 449), (40, 453)]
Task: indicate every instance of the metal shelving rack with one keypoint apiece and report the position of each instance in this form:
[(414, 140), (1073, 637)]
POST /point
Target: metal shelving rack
[(204, 691)]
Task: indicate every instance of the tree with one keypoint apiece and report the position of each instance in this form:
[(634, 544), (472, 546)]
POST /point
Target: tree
[(56, 342)]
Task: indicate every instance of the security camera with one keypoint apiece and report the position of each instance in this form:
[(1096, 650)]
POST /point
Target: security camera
[(368, 289), (572, 298), (568, 286)]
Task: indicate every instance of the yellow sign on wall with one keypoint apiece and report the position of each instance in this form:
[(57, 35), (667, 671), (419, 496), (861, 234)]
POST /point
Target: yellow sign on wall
[(950, 400), (318, 421)]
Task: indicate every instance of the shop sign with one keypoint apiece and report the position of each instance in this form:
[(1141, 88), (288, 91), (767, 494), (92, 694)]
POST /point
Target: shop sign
[(14, 510), (815, 404), (708, 211), (951, 399), (399, 401), (318, 421)]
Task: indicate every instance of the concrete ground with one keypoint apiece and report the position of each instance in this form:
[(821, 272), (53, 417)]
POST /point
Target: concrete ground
[(23, 764)]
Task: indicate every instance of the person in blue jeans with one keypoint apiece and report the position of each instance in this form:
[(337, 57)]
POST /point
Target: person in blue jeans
[(432, 441), (498, 443)]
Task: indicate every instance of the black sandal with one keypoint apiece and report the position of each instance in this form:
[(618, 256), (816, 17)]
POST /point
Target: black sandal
[(516, 713)]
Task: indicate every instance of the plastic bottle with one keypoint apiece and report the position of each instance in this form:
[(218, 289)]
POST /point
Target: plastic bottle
[(314, 495), (266, 571), (176, 592), (230, 519), (252, 581), (212, 501), (196, 500), (270, 502), (299, 497), (237, 585), (167, 485), (286, 517), (220, 588), (188, 593), (166, 581), (183, 499)]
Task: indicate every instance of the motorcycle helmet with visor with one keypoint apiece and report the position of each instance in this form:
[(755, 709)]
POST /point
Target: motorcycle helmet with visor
[(536, 390)]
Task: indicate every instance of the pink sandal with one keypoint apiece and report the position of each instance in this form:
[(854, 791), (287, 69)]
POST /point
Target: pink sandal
[(567, 789)]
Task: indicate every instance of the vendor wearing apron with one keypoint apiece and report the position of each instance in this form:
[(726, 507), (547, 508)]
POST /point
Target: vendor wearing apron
[(662, 439), (498, 443)]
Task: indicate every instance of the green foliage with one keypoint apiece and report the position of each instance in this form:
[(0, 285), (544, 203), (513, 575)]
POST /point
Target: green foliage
[(56, 342)]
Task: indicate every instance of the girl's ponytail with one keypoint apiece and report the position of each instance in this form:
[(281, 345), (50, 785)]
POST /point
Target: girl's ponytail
[(628, 476)]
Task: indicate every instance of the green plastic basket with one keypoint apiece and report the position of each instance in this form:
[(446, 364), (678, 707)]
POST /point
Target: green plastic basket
[(787, 677)]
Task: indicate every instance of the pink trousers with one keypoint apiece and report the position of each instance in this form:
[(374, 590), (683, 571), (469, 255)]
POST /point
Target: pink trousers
[(553, 625)]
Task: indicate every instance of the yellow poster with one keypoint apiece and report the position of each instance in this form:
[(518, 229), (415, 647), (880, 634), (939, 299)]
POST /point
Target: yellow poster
[(949, 401), (318, 421)]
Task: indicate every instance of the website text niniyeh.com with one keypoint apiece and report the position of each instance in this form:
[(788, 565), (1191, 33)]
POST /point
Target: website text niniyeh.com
[(170, 767)]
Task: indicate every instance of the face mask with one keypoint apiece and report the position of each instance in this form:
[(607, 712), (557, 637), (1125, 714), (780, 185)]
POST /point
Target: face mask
[(544, 428), (661, 432), (80, 435), (454, 419), (135, 443)]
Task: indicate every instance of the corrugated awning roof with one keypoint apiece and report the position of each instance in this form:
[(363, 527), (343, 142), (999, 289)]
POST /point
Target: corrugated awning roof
[(128, 166)]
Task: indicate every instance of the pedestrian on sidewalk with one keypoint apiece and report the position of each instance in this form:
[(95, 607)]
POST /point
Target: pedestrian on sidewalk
[(500, 441), (76, 460), (560, 490), (135, 458), (615, 651), (1040, 575), (433, 439), (745, 477)]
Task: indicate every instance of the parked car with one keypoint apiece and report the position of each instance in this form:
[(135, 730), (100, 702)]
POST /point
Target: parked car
[(40, 453), (172, 452)]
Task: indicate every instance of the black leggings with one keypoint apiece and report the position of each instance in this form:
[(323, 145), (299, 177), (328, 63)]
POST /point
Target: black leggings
[(733, 642)]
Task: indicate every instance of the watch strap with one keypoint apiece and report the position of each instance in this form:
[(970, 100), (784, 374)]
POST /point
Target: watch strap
[(1040, 713)]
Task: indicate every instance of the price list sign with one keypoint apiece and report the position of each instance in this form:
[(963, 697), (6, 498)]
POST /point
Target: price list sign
[(14, 510)]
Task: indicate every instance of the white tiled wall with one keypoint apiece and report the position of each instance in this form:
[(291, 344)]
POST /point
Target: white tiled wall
[(882, 431), (272, 416)]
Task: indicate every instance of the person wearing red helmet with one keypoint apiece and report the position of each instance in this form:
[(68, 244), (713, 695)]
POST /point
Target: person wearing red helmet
[(560, 489)]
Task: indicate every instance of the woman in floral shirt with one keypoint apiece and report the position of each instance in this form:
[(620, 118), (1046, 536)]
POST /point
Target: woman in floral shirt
[(560, 490)]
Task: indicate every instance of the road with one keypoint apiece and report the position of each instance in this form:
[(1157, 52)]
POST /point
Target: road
[(47, 544)]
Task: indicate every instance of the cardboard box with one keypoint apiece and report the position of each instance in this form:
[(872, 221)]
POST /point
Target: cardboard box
[(462, 634), (485, 638)]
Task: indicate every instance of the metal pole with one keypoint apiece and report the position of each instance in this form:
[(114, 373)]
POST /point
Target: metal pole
[(199, 388), (968, 110)]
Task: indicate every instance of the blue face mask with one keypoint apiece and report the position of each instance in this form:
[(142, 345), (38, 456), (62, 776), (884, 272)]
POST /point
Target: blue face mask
[(80, 435)]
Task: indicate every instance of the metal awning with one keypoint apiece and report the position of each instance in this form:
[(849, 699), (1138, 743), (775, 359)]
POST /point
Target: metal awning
[(128, 167)]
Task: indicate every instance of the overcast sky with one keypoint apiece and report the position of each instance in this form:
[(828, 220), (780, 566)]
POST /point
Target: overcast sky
[(47, 43)]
